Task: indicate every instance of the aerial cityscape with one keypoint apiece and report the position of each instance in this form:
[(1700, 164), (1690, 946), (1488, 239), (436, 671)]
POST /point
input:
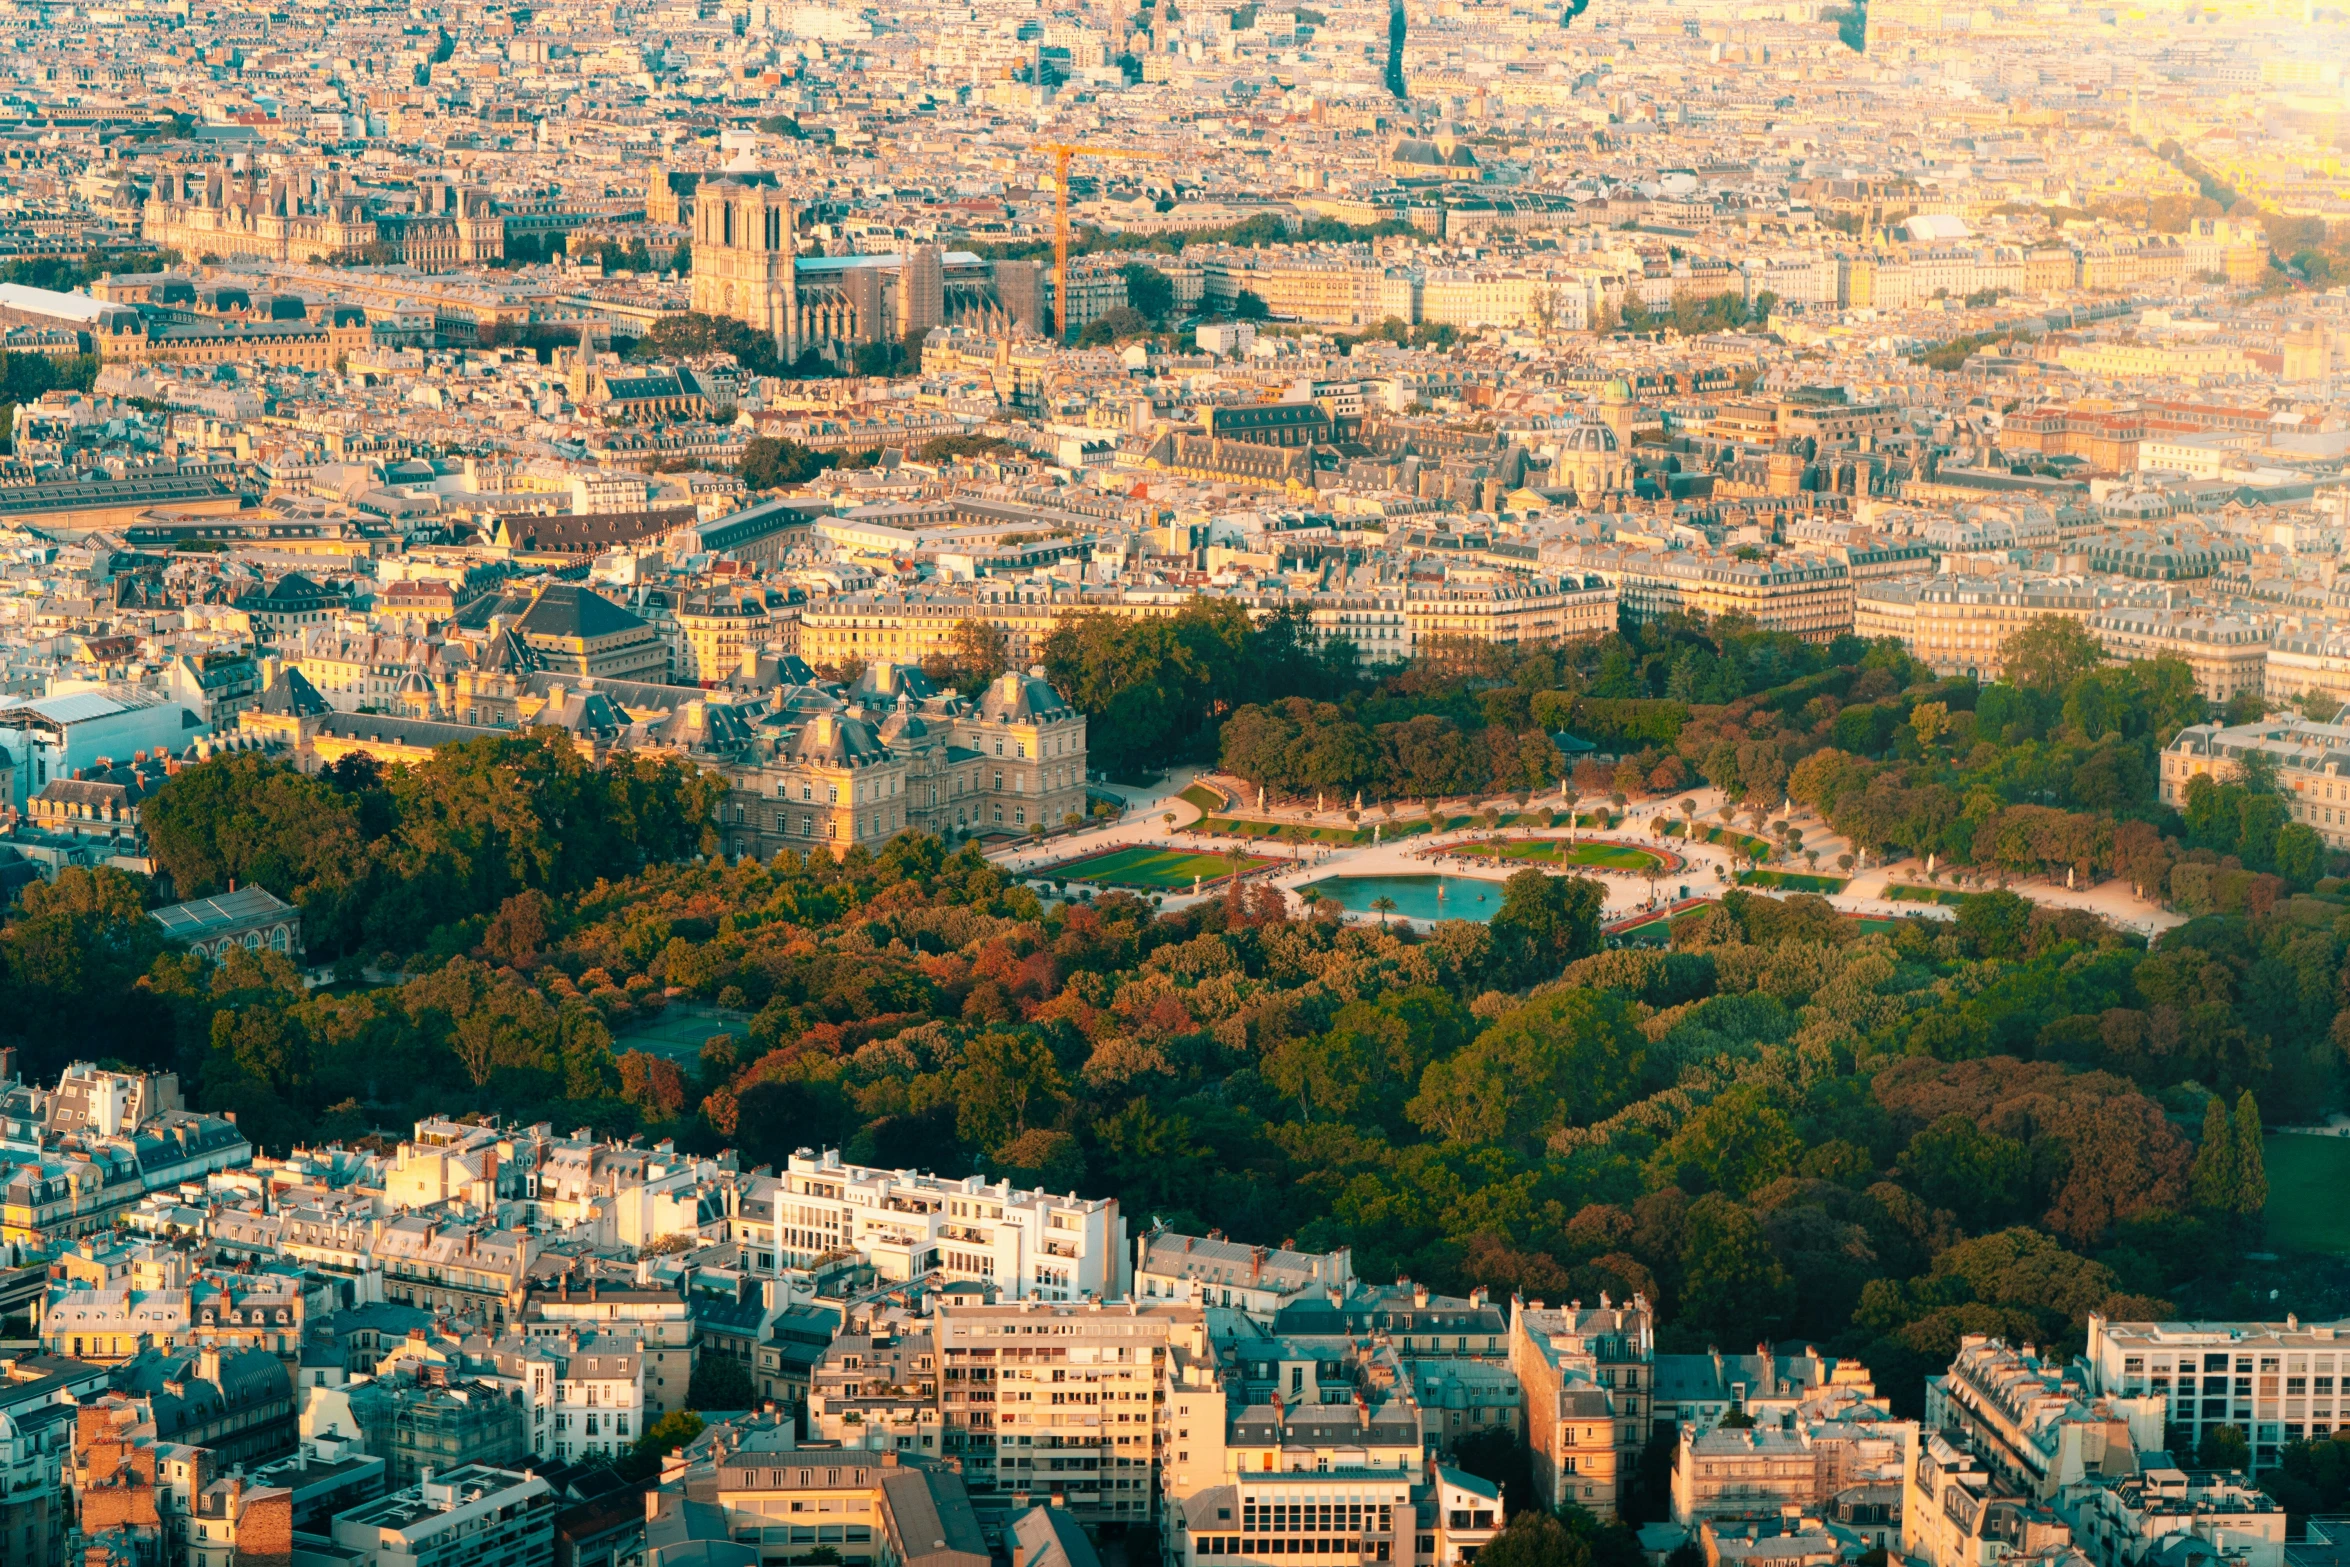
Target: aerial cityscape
[(1538, 783)]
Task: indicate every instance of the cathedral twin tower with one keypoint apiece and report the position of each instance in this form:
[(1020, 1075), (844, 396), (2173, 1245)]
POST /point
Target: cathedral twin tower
[(743, 259), (744, 268)]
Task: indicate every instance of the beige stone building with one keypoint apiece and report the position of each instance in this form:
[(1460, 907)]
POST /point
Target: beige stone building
[(715, 629), (1962, 623), (869, 1508), (298, 345), (2229, 656), (908, 627), (1010, 763), (1511, 609), (2312, 762), (2303, 662), (1586, 1376), (1386, 624), (1886, 609), (1809, 596)]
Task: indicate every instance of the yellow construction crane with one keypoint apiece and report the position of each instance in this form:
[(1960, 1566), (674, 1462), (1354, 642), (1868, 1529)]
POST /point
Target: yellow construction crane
[(1062, 152)]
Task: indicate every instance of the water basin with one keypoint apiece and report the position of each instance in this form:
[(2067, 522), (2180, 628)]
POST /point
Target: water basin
[(1465, 897)]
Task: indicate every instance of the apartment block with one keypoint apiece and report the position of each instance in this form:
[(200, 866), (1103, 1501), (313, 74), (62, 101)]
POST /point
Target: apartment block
[(2228, 656), (1212, 1271), (1056, 1403), (1329, 1481), (1788, 1539), (1886, 609), (906, 1224), (1417, 1321), (98, 1144), (786, 1500), (1954, 1514), (35, 1506), (1804, 1464), (662, 1324), (2276, 1382), (1696, 1391), (237, 1521), (877, 1387), (1334, 1468), (2035, 1423), (2169, 1513), (2304, 663), (1810, 597), (1587, 1377), (428, 1419), (1961, 625), (1512, 609), (583, 1392), (1459, 1398), (441, 1263), (1376, 621), (1453, 1517), (474, 1513)]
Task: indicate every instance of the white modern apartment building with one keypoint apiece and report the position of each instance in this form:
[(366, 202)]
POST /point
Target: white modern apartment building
[(475, 1514), (905, 1224), (2276, 1382), (2120, 1523)]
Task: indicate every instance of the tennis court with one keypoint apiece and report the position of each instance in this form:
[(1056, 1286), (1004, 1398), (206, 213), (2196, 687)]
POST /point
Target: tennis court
[(1153, 869)]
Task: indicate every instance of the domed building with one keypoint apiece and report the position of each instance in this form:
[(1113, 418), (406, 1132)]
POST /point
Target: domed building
[(1591, 462), (416, 696)]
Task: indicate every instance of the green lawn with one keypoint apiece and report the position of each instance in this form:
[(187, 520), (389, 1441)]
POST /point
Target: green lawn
[(1941, 895), (1728, 838), (679, 1030), (1207, 799), (1793, 881), (1235, 827), (1152, 869), (2306, 1179), (1557, 851), (1657, 929)]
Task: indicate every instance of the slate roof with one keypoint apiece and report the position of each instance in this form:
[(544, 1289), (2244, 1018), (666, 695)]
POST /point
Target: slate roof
[(565, 609), (291, 695), (378, 728), (1021, 699)]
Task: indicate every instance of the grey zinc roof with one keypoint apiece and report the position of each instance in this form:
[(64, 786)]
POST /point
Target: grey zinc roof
[(404, 731), (1049, 1537), (935, 1523)]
